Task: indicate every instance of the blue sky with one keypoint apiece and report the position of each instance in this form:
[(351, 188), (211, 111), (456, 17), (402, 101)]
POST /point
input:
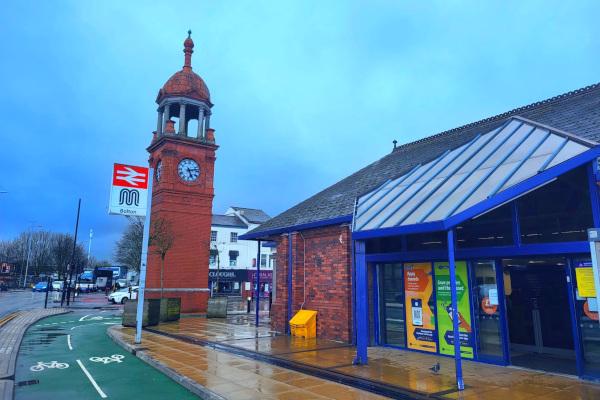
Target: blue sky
[(305, 92)]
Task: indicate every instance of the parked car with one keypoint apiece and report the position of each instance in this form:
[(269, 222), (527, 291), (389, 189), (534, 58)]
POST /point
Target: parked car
[(57, 285), (123, 295), (121, 283), (40, 287)]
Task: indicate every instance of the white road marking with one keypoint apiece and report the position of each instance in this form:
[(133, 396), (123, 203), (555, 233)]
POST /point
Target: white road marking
[(69, 342), (84, 317), (89, 376)]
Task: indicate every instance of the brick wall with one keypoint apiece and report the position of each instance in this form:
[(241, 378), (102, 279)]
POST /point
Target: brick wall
[(321, 279), (188, 209)]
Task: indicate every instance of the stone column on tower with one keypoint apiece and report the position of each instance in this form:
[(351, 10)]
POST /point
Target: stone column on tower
[(200, 133), (166, 115), (182, 121), (159, 123)]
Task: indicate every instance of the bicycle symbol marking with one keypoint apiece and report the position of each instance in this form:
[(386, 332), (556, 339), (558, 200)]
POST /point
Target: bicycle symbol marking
[(107, 360), (40, 366)]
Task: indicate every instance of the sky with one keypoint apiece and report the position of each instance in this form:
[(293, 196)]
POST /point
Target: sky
[(305, 92)]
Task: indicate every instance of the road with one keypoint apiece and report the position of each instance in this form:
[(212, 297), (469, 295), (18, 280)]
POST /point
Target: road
[(19, 300), (71, 356)]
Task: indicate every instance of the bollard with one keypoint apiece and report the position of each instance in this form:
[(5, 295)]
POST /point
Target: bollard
[(248, 300), (48, 287)]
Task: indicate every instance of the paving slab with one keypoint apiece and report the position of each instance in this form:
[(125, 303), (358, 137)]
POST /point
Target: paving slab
[(388, 369)]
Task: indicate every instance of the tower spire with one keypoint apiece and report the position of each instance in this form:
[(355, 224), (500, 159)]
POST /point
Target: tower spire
[(188, 49)]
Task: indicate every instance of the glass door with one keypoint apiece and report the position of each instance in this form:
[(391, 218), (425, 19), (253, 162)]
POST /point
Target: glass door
[(391, 300), (487, 310)]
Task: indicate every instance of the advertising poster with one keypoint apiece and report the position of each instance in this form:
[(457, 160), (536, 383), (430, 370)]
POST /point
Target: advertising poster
[(444, 309), (420, 319)]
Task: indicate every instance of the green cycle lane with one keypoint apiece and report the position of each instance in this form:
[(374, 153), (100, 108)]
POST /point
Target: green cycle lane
[(71, 356)]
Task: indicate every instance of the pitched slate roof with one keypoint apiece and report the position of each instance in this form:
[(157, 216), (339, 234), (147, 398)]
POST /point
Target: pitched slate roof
[(252, 215), (228, 220), (576, 112)]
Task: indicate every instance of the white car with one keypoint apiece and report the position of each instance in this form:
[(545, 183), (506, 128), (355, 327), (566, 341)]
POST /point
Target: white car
[(123, 295)]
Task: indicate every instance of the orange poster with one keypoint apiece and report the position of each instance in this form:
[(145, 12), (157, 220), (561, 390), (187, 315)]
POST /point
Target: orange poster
[(420, 319)]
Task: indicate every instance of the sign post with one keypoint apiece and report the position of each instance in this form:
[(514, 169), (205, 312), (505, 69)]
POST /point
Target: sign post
[(129, 196)]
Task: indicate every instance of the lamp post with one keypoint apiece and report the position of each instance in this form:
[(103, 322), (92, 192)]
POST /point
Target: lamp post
[(90, 247), (28, 255)]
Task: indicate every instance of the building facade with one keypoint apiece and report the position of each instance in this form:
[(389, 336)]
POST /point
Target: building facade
[(479, 232), (233, 260), (183, 159)]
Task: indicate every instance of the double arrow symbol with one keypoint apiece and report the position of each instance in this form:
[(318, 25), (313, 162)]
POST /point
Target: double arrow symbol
[(130, 176)]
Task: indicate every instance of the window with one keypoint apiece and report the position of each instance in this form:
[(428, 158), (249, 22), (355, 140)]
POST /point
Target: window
[(491, 229), (558, 212), (263, 260), (392, 304), (213, 236), (233, 255), (272, 263), (233, 237), (212, 258)]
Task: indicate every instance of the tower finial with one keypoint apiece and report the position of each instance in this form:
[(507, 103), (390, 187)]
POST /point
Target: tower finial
[(188, 49)]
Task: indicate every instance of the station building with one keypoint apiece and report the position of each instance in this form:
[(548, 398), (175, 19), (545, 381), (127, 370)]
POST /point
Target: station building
[(506, 200)]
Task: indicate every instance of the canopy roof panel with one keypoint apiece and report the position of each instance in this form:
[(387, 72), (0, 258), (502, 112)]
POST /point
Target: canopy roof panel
[(461, 178)]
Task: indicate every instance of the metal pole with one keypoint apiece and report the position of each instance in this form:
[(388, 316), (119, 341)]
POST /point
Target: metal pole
[(257, 279), (457, 356), (73, 254), (142, 283), (27, 263), (90, 246), (48, 286)]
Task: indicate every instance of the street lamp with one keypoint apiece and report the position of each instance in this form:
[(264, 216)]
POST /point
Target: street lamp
[(28, 254)]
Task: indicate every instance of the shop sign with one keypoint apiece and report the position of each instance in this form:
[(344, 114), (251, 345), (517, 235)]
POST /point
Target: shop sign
[(418, 285), (227, 275), (444, 309), (265, 276)]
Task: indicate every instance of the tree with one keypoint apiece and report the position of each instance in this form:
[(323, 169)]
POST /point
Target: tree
[(129, 248), (162, 239)]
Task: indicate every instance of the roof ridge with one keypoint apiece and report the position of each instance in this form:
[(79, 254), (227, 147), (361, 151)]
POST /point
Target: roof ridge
[(503, 115)]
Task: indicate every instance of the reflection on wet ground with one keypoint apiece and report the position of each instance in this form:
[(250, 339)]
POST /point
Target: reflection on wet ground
[(389, 367)]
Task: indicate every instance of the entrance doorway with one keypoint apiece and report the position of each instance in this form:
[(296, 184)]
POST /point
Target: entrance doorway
[(538, 313)]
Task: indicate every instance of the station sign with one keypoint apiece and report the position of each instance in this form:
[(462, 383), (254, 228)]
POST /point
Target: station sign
[(129, 190)]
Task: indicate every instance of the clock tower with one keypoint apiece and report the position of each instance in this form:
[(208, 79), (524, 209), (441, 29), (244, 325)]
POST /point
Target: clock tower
[(183, 158)]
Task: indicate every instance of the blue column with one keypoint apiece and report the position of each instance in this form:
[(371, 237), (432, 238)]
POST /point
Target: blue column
[(362, 303), (457, 356), (257, 282), (289, 283)]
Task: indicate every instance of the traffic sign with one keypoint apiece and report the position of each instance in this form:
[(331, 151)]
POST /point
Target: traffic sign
[(129, 190)]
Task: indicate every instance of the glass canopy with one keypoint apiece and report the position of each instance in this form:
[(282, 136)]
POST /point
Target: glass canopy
[(461, 178)]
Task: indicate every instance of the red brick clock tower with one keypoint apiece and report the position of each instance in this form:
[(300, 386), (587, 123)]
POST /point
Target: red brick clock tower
[(183, 158)]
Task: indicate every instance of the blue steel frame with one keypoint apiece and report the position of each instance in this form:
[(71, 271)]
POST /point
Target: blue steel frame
[(484, 206), (570, 250), (362, 309)]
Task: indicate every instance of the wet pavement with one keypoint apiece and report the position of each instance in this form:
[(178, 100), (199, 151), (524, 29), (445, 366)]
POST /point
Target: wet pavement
[(234, 377), (70, 356), (409, 372)]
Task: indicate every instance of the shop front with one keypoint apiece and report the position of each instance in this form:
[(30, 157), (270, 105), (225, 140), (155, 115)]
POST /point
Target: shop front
[(489, 243), (227, 282)]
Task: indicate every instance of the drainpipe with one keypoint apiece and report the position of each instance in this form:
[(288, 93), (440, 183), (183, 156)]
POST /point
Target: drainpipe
[(289, 282), (362, 307)]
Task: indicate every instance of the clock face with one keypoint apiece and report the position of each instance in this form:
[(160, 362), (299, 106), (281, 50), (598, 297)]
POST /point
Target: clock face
[(188, 170), (158, 170)]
